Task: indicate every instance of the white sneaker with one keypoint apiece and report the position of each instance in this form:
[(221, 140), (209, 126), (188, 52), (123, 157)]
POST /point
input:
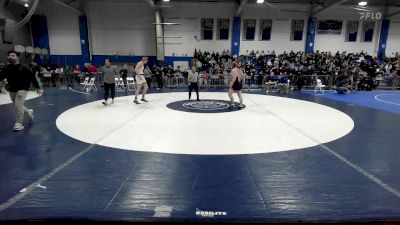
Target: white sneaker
[(30, 114), (112, 101), (105, 103), (18, 127)]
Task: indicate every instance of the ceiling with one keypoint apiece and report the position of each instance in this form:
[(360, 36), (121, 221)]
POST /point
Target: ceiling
[(80, 4), (318, 2)]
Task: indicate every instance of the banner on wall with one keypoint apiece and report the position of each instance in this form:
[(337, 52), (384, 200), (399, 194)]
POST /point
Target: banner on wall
[(329, 26)]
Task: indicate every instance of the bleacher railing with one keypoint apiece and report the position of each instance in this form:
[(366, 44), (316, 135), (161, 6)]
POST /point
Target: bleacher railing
[(258, 81), (223, 81)]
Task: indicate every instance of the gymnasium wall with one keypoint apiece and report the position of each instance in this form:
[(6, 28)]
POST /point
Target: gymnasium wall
[(189, 16), (281, 27), (336, 42), (126, 27), (393, 43), (63, 27), (122, 27)]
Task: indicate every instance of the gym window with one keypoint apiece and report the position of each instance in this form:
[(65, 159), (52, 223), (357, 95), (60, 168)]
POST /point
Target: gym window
[(265, 30), (223, 29), (207, 29), (297, 30), (249, 29), (351, 31), (368, 31)]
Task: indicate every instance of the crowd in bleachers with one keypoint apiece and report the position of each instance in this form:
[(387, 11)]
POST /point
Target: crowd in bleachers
[(357, 70), (344, 68)]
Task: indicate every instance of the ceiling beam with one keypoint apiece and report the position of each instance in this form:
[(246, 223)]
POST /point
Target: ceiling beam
[(392, 14), (70, 2), (333, 4), (152, 4), (243, 3), (69, 7)]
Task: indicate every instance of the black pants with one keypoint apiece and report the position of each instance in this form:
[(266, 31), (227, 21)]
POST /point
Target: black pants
[(195, 86), (54, 79), (366, 84), (260, 80), (148, 81), (69, 79), (159, 81), (124, 79), (111, 87), (300, 83), (251, 80), (77, 78)]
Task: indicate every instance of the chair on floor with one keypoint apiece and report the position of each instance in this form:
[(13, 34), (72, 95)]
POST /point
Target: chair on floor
[(284, 86), (85, 83), (271, 86), (130, 84), (119, 84), (91, 85), (319, 86)]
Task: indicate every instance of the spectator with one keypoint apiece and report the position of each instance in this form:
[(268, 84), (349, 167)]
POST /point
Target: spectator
[(124, 73)]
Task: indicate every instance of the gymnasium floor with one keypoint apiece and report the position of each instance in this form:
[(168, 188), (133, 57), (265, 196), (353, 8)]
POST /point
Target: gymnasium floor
[(293, 157)]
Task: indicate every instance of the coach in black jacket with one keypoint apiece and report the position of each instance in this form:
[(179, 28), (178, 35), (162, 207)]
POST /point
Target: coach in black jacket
[(19, 78)]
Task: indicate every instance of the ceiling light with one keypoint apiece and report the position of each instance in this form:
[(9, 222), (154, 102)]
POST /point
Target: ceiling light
[(260, 1), (26, 5), (166, 23), (362, 3), (165, 0)]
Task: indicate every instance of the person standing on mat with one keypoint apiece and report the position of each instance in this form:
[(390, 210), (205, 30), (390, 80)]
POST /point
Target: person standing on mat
[(236, 85), (124, 74), (141, 80), (193, 78), (35, 68), (109, 74), (19, 78)]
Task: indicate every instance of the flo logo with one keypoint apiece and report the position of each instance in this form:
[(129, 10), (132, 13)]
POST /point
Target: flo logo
[(204, 106), (209, 213), (371, 15)]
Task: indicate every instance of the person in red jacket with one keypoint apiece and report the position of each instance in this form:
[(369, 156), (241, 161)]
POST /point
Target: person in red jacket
[(93, 72)]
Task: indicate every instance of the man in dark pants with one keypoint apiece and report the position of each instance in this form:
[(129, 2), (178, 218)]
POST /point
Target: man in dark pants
[(54, 75), (300, 82), (185, 75), (193, 82), (158, 72), (34, 67), (124, 74), (109, 74), (69, 76), (19, 78)]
